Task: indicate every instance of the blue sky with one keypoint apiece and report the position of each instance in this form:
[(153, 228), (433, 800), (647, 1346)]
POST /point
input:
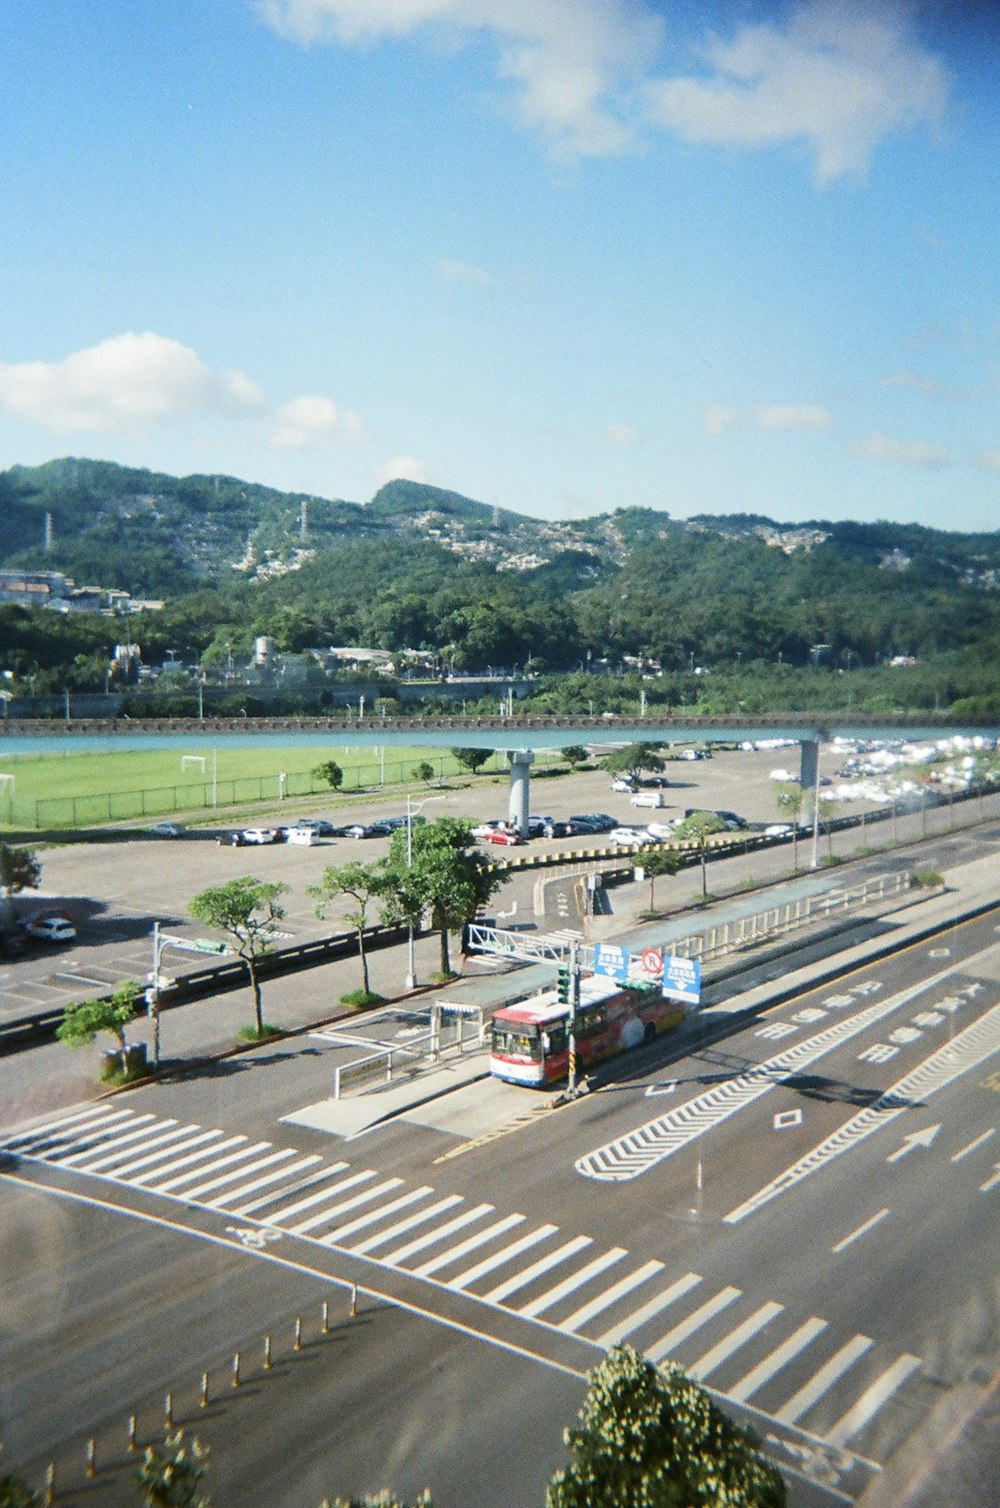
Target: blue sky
[(560, 255)]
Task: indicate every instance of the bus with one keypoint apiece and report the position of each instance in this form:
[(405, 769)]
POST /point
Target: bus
[(530, 1040)]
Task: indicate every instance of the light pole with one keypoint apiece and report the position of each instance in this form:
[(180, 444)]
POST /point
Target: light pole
[(411, 810)]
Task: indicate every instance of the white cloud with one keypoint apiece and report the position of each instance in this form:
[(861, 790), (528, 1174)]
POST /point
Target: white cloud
[(123, 384), (880, 447), (989, 460), (403, 468), (462, 272), (717, 420), (621, 434), (837, 79), (569, 61), (794, 416), (930, 386), (314, 424)]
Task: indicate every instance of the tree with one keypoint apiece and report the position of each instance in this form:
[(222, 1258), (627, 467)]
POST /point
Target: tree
[(83, 1022), (648, 1439), (574, 754), (632, 760), (442, 873), (331, 772), (15, 1492), (423, 771), (700, 826), (471, 759), (246, 909), (659, 861), (171, 1473), (19, 870), (789, 799), (361, 882)]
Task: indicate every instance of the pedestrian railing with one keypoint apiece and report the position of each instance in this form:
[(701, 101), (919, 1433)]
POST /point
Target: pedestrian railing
[(452, 1029)]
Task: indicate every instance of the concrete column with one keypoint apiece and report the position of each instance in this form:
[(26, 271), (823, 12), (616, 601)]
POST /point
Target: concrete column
[(518, 805)]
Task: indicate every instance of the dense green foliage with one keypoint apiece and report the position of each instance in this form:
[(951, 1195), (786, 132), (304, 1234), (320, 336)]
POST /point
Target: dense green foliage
[(82, 1023), (778, 616), (649, 1439), (246, 909)]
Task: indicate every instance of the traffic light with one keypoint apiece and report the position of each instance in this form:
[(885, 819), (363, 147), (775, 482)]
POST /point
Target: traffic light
[(562, 984)]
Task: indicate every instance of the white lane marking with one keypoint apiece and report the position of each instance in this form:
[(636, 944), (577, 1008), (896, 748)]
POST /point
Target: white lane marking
[(587, 1312), (340, 1233), (991, 1183), (646, 1311), (970, 1048), (125, 1150), (537, 1269), (862, 1230), (553, 1296), (341, 1207), (713, 1359), (471, 1243), (661, 1349), (778, 1358), (871, 1400), (807, 1397), (181, 1162), (126, 1172), (331, 1191), (972, 1145), (295, 1187), (50, 1147), (441, 1233), (45, 1130), (265, 1181), (234, 1174), (109, 1138), (637, 1151), (505, 1254), (407, 1223)]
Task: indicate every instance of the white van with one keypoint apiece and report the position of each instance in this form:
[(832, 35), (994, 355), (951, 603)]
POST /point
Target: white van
[(304, 837), (647, 798)]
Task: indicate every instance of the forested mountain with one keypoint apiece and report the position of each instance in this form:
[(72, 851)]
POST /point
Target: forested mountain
[(419, 567)]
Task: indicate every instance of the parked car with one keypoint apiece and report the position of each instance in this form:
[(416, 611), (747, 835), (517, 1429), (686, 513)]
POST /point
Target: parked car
[(233, 840), (482, 828), (661, 830), (623, 785), (629, 837), (778, 830), (368, 830), (260, 835), (501, 836), (603, 823), (53, 929), (319, 825), (648, 798), (166, 830)]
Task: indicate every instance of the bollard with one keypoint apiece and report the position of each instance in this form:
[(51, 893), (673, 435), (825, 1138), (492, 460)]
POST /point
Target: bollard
[(325, 1321), (203, 1400), (168, 1412), (235, 1379), (267, 1353), (50, 1484), (91, 1458), (133, 1441), (298, 1334), (354, 1300)]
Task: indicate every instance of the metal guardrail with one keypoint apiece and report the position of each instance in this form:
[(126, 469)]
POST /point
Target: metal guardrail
[(410, 1058), (778, 921)]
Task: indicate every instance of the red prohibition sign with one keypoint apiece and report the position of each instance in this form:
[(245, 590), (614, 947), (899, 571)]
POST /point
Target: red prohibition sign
[(652, 961)]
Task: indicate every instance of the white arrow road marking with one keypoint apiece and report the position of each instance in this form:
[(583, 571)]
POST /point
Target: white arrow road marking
[(655, 1089), (970, 1048), (914, 1139)]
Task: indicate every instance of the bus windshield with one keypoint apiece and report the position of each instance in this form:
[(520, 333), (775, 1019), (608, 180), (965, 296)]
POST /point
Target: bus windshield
[(517, 1040)]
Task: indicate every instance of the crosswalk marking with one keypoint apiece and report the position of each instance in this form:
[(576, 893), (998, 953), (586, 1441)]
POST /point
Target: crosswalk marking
[(582, 1316), (420, 1218), (647, 1311), (536, 1270), (871, 1400), (713, 1359), (701, 1316), (339, 1235), (780, 1357), (801, 1402), (341, 1208), (553, 1296), (471, 1243), (365, 1213), (506, 1254)]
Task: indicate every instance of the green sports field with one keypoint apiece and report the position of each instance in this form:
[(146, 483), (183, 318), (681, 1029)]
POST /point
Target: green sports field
[(60, 791)]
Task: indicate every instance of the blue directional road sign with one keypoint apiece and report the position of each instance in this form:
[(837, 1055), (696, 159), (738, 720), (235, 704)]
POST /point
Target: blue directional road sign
[(682, 979), (610, 960)]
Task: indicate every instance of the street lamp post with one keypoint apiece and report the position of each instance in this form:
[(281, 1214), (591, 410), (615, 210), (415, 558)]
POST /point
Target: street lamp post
[(411, 810)]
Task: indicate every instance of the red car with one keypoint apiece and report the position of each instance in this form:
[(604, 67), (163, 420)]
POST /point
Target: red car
[(501, 836)]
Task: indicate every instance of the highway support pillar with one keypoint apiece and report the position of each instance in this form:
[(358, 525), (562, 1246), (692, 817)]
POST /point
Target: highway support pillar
[(518, 805)]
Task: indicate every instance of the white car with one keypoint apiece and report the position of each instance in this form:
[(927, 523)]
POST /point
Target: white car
[(166, 830), (623, 786), (630, 837), (51, 929), (259, 835), (661, 830)]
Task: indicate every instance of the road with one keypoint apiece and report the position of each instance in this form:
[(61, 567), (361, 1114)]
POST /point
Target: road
[(778, 1214)]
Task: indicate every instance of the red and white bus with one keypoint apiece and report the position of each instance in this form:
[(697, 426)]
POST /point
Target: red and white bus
[(530, 1042)]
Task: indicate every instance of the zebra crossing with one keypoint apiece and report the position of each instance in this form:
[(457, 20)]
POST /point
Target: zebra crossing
[(791, 1369)]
